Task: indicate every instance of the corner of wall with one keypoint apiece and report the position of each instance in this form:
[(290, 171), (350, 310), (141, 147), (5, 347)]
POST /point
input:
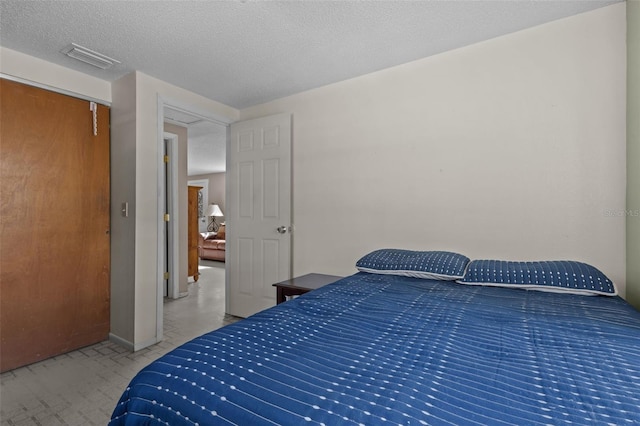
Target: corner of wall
[(123, 169)]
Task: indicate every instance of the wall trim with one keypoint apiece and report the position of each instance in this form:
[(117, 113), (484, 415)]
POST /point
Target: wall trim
[(131, 346), (151, 342), (121, 342), (54, 89)]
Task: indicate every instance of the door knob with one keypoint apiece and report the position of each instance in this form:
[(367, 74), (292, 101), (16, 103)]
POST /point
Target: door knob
[(281, 229)]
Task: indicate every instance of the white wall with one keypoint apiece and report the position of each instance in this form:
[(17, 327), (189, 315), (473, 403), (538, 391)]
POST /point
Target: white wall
[(513, 148), (123, 189)]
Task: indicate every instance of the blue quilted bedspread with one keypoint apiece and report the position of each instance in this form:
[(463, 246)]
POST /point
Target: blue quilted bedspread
[(379, 349)]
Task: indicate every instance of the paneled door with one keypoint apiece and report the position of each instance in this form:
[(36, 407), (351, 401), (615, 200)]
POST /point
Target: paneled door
[(258, 217), (54, 224)]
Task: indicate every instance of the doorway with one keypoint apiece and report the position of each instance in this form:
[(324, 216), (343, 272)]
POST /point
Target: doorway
[(196, 124)]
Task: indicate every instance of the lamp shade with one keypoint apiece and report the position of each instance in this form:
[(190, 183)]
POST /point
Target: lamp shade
[(213, 210)]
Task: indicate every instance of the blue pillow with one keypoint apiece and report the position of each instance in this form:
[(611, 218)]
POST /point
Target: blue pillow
[(564, 276), (439, 265)]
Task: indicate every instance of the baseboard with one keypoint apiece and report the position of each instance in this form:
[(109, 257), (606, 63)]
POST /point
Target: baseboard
[(129, 345), (120, 341), (146, 344)]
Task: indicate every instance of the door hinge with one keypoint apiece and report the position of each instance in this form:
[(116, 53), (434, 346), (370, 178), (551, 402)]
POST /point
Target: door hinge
[(166, 217), (166, 275), (166, 158)]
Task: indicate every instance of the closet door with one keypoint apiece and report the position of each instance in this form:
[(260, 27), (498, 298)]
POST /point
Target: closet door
[(54, 224)]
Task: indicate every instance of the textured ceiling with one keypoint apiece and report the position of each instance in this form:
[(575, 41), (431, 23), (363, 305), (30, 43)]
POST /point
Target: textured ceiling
[(243, 53)]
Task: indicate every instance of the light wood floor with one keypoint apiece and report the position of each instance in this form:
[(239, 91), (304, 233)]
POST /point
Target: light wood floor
[(83, 386)]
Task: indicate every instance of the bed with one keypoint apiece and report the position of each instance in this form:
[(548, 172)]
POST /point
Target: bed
[(380, 347)]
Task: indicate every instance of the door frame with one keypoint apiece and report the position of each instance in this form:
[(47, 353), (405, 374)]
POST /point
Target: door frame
[(173, 247), (162, 103)]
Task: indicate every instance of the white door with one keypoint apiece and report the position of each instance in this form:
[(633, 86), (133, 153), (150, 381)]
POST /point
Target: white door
[(258, 243), (172, 242)]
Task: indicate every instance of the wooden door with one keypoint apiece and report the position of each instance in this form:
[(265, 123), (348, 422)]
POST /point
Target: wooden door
[(258, 217), (54, 224), (192, 230)]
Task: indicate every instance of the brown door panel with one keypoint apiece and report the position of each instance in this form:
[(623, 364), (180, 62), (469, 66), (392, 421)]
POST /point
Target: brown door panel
[(54, 224)]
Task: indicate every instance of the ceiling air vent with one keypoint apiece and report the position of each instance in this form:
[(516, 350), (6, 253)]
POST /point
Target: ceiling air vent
[(89, 56)]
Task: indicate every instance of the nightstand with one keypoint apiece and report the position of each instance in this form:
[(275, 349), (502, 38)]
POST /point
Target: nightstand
[(303, 284)]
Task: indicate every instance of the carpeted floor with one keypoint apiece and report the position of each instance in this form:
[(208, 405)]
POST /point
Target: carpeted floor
[(83, 386)]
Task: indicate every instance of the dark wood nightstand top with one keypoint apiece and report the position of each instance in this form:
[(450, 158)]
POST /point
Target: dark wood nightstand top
[(308, 282), (303, 284)]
